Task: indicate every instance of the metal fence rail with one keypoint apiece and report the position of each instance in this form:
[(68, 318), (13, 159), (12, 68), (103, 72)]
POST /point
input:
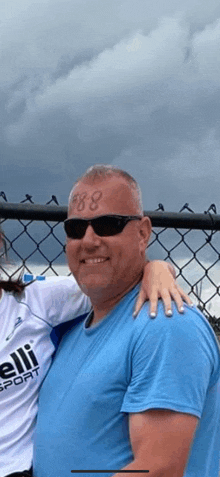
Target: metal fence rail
[(34, 235)]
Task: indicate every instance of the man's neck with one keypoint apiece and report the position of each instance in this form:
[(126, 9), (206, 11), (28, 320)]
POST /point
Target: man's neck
[(102, 306)]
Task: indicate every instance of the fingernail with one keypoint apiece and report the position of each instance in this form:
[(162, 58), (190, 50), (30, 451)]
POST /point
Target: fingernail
[(169, 313), (181, 310), (135, 314), (152, 314)]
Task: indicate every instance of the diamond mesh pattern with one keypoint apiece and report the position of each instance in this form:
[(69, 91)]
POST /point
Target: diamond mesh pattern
[(194, 252)]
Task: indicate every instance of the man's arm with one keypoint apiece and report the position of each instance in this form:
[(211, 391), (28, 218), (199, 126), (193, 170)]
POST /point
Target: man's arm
[(173, 364), (161, 441)]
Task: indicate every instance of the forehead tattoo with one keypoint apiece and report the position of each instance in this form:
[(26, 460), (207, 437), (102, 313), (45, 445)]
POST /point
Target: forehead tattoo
[(79, 201)]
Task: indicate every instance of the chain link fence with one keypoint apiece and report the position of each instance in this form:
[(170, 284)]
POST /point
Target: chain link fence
[(35, 244)]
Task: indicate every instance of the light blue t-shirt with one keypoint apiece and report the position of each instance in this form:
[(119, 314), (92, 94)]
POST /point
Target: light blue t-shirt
[(102, 373)]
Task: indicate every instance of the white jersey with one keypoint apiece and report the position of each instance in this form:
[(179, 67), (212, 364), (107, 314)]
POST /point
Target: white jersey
[(26, 352)]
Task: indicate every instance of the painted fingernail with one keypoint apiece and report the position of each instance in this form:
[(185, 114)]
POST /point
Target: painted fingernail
[(181, 310), (169, 313), (152, 314)]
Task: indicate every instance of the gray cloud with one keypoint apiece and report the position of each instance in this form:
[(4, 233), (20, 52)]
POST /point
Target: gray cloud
[(137, 86)]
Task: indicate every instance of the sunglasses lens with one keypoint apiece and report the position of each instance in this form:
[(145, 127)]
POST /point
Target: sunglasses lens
[(107, 226), (104, 226), (75, 228)]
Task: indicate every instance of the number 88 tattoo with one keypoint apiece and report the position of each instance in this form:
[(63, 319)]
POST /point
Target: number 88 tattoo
[(78, 200)]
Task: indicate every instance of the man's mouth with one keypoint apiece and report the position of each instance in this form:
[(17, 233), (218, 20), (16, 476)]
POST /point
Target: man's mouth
[(92, 261)]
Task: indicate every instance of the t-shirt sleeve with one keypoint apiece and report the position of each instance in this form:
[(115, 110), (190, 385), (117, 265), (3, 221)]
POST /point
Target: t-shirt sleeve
[(173, 363), (60, 299)]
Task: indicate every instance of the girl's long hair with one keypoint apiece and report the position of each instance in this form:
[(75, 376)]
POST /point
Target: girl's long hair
[(15, 286)]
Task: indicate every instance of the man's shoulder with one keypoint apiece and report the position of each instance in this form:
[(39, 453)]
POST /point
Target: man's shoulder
[(183, 337), (190, 325), (191, 317)]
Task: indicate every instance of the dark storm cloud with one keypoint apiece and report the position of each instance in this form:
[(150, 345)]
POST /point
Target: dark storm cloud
[(84, 82)]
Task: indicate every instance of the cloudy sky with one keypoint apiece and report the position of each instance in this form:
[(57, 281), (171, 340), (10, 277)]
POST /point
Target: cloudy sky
[(130, 83)]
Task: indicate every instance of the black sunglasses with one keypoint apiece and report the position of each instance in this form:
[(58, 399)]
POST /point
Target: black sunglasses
[(103, 226)]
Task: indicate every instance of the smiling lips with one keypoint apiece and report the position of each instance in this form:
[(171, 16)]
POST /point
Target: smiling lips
[(92, 261)]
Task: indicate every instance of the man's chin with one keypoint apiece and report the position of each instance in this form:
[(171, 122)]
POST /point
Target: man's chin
[(92, 287)]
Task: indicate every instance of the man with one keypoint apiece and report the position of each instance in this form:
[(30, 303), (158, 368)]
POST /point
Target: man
[(126, 395)]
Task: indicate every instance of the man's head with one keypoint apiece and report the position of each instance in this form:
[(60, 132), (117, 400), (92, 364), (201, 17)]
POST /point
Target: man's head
[(105, 264), (99, 173)]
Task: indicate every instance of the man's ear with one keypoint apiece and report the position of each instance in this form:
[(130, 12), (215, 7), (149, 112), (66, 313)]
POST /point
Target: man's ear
[(145, 232)]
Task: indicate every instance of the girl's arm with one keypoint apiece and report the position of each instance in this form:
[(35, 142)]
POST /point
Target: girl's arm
[(159, 281)]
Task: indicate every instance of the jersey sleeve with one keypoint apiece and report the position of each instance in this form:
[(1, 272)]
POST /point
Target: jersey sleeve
[(58, 299), (173, 363)]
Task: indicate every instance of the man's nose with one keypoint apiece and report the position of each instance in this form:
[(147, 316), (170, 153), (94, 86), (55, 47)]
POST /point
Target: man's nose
[(90, 237)]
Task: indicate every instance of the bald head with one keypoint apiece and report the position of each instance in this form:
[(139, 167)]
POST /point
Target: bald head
[(99, 173)]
